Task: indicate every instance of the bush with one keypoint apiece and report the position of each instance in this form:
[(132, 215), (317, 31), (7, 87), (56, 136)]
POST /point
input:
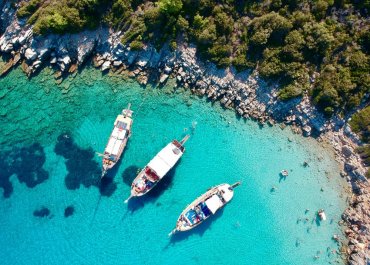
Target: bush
[(173, 45), (28, 8), (170, 7), (289, 92), (137, 45), (269, 29), (360, 123)]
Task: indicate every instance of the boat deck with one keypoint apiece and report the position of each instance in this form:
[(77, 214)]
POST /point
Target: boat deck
[(118, 138)]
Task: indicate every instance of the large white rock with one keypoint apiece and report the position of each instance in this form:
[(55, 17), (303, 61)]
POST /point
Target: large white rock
[(105, 66), (117, 63), (8, 47), (142, 63), (22, 40), (163, 78), (66, 60), (30, 54)]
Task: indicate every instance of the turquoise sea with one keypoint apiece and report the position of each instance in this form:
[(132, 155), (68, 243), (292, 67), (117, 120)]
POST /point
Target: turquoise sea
[(49, 136)]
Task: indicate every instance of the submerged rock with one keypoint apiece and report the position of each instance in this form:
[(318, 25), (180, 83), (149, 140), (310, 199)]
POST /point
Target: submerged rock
[(69, 211), (43, 212), (82, 167)]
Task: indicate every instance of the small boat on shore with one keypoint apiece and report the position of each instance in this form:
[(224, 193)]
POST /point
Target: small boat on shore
[(157, 168), (204, 206), (117, 140)]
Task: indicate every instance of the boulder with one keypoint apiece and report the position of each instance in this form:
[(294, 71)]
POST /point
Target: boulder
[(30, 54), (84, 50), (142, 63), (117, 63), (346, 151), (167, 69), (66, 60), (36, 64), (306, 130), (163, 78), (143, 80), (8, 48), (105, 66)]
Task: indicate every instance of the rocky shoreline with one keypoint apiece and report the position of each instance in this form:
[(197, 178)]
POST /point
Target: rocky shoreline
[(244, 92)]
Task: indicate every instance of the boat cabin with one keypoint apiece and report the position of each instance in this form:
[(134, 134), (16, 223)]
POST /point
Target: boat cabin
[(178, 145)]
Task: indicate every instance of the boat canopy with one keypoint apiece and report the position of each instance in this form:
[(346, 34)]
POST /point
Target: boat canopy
[(119, 133), (113, 146), (115, 141), (214, 203), (226, 193), (165, 160)]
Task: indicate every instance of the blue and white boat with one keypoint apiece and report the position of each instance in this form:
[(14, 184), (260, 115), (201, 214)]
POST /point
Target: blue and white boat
[(205, 206)]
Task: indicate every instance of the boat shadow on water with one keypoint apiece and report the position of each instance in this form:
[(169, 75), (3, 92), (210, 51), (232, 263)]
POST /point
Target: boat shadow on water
[(152, 196), (199, 230)]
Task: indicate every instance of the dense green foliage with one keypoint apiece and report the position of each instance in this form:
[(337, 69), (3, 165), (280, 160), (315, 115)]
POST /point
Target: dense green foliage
[(61, 16), (360, 123), (320, 47)]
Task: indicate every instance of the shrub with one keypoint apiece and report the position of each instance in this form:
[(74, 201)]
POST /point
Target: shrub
[(360, 123), (170, 7), (28, 8), (269, 29), (290, 91), (137, 45)]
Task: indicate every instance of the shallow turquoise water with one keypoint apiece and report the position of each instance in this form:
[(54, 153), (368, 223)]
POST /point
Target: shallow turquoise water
[(259, 226)]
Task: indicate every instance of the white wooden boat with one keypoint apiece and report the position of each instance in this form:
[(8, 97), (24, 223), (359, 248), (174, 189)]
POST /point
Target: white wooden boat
[(204, 206), (157, 168), (117, 140)]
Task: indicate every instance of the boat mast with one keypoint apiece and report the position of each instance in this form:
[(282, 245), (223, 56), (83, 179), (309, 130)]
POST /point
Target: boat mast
[(183, 141), (125, 112), (236, 184)]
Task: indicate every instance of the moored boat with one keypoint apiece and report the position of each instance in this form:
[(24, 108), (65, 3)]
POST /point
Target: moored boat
[(204, 206), (117, 140), (157, 168)]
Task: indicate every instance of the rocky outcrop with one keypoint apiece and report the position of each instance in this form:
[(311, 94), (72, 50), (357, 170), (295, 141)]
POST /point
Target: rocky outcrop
[(244, 92), (358, 220)]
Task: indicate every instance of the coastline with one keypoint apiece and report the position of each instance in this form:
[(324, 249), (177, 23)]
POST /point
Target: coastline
[(244, 92)]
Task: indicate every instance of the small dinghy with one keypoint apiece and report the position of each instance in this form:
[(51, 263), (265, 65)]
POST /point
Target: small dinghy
[(117, 140), (157, 168), (321, 214), (204, 207)]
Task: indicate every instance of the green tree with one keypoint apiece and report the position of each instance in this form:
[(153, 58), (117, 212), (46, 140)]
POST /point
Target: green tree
[(170, 6), (269, 29)]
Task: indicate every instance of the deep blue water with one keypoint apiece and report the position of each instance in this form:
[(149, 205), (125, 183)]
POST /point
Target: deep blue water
[(49, 136)]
